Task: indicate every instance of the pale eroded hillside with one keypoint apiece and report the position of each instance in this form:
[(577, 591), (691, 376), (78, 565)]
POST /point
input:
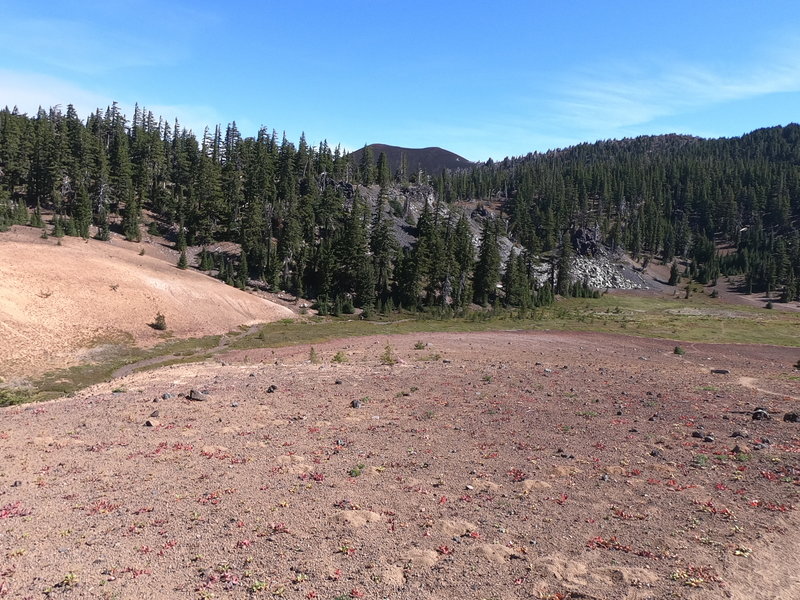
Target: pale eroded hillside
[(57, 302)]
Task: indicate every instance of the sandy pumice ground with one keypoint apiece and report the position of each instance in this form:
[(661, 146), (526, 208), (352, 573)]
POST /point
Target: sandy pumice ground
[(489, 465), (60, 304)]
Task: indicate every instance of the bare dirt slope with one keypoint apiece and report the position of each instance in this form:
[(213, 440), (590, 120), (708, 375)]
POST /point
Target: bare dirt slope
[(490, 465), (56, 302)]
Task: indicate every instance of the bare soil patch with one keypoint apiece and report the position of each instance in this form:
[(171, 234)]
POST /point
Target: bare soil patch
[(481, 465), (59, 303)]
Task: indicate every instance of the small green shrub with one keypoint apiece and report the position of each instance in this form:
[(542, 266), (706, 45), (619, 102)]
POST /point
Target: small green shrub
[(340, 357), (356, 471), (160, 322), (679, 351), (11, 397), (387, 358)]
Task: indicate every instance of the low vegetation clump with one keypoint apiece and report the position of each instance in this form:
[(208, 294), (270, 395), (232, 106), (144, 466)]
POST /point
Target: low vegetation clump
[(388, 358), (160, 322), (9, 397)]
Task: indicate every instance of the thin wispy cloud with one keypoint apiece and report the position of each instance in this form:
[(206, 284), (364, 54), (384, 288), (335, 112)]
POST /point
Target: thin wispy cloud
[(30, 91), (610, 98), (83, 47)]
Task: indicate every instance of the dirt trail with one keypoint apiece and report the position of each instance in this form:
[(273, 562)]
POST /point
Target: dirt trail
[(222, 345), (750, 383)]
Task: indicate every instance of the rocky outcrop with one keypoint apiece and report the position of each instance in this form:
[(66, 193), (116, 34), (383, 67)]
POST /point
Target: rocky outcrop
[(601, 273)]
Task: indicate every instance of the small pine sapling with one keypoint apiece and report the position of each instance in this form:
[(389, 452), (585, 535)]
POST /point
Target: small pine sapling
[(160, 322)]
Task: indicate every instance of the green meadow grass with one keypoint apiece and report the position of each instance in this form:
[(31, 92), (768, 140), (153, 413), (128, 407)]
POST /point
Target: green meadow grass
[(695, 319)]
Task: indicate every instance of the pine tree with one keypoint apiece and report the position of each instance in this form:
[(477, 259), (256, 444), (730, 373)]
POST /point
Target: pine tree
[(366, 167), (516, 282), (58, 226), (243, 272), (83, 212), (103, 230), (206, 260), (383, 248), (563, 281), (464, 258), (384, 174), (487, 269), (130, 220), (182, 262), (674, 274)]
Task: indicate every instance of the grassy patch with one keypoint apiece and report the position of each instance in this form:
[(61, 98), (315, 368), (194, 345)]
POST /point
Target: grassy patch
[(12, 397), (696, 319), (62, 382)]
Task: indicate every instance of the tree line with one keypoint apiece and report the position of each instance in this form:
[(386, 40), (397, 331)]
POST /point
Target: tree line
[(295, 210), (728, 206), (303, 223)]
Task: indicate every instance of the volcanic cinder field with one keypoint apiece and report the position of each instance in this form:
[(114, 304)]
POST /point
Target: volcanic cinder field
[(477, 465)]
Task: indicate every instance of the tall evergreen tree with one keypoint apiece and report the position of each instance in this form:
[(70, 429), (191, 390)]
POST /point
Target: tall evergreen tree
[(487, 269)]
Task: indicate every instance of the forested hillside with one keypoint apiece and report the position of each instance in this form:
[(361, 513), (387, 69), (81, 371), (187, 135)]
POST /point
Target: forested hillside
[(729, 206), (300, 214)]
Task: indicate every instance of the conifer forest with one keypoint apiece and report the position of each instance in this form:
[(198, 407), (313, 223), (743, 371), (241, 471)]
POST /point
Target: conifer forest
[(305, 223)]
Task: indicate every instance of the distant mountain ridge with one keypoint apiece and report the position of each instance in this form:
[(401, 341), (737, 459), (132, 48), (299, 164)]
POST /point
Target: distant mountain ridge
[(431, 160)]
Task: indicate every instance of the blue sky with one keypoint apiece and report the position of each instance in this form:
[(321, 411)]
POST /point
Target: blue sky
[(481, 79)]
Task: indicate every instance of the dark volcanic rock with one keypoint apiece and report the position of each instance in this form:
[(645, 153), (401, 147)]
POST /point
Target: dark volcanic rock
[(585, 242), (761, 414)]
